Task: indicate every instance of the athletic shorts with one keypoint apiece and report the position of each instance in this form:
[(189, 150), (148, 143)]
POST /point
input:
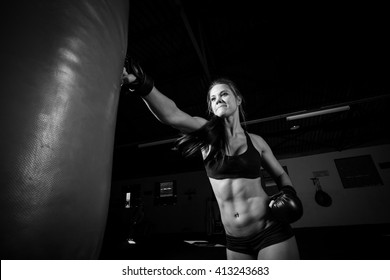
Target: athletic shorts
[(277, 232)]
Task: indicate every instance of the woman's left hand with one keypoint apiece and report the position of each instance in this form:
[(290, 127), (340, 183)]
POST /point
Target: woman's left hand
[(286, 206)]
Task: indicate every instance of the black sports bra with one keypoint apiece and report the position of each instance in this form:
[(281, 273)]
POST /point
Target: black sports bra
[(245, 165)]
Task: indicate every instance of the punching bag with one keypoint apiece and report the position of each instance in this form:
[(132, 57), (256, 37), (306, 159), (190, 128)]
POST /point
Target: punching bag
[(61, 65)]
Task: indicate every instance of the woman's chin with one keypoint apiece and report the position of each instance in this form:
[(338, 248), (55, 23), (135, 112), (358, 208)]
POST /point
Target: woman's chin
[(220, 113)]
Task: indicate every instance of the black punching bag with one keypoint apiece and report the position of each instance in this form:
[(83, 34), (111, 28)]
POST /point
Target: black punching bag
[(61, 64)]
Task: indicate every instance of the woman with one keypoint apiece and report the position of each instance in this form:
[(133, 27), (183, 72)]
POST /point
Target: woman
[(256, 226)]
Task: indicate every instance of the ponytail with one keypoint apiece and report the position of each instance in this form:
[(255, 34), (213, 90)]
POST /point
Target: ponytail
[(210, 136)]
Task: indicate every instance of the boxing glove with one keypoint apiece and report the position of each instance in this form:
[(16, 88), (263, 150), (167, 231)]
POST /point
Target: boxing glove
[(287, 207), (143, 84)]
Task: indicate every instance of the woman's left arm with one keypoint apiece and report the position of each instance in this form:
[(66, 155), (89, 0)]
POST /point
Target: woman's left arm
[(271, 164), (285, 205)]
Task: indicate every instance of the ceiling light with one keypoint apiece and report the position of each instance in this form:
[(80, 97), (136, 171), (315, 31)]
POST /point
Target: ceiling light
[(294, 127)]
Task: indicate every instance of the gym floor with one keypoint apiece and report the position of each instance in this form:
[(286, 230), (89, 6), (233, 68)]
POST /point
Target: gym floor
[(363, 242)]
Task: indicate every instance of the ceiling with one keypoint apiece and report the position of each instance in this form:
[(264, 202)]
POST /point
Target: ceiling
[(283, 60)]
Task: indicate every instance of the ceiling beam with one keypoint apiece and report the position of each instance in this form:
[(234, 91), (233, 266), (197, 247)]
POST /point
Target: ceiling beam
[(199, 52)]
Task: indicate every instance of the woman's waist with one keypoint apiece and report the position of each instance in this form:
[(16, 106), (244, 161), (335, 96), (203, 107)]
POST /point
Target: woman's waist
[(245, 228), (245, 215)]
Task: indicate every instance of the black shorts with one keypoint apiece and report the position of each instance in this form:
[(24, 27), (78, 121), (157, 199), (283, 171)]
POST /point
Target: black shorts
[(277, 232)]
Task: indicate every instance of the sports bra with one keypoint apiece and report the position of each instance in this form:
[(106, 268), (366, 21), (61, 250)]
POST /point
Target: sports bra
[(245, 165)]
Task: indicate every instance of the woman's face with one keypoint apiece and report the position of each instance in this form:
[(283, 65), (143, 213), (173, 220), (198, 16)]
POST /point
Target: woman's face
[(223, 101)]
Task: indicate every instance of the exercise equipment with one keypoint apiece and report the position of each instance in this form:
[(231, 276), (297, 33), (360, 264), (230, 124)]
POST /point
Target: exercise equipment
[(321, 197), (287, 207), (61, 65)]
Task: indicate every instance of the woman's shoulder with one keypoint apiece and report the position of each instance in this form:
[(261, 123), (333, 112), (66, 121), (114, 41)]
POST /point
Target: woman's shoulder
[(258, 141), (255, 137)]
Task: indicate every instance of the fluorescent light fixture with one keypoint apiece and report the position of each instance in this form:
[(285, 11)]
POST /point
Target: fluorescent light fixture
[(317, 113)]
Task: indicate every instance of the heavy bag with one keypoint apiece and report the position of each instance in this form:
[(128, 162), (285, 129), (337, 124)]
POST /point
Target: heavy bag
[(61, 64)]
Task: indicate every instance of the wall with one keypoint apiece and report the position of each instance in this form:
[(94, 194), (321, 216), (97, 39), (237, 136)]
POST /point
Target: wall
[(366, 205), (189, 213), (354, 206)]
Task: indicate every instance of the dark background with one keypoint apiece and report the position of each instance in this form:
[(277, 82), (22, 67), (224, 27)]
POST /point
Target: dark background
[(285, 59)]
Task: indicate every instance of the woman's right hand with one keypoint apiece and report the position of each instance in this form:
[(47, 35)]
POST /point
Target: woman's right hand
[(137, 81), (127, 78)]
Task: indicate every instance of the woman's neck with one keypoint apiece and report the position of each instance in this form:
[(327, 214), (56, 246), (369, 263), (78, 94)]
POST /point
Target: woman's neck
[(233, 126)]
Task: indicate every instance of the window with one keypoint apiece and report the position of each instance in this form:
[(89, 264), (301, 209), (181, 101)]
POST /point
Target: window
[(359, 171), (165, 193)]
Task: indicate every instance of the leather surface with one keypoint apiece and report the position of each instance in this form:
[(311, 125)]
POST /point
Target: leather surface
[(61, 63)]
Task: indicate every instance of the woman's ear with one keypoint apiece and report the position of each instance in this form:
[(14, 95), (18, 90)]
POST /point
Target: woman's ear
[(239, 100)]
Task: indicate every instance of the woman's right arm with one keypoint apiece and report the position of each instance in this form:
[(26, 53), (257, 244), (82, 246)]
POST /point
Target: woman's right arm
[(162, 107), (166, 111)]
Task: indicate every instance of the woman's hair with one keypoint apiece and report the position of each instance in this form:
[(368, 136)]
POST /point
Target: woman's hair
[(212, 134)]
